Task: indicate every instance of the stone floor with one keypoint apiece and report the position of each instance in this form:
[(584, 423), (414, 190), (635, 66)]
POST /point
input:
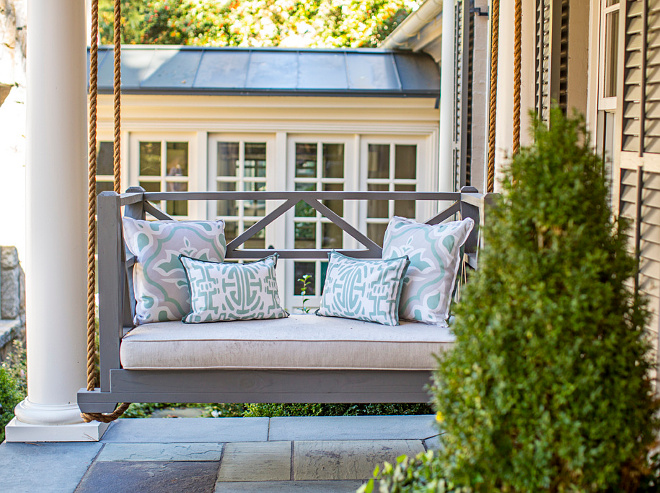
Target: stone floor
[(223, 455)]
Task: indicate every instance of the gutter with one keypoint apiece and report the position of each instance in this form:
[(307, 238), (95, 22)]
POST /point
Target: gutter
[(412, 25)]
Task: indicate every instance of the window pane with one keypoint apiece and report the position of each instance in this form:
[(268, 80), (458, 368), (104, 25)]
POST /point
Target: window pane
[(227, 158), (104, 159), (231, 230), (255, 160), (305, 235), (177, 159), (254, 207), (379, 161), (150, 186), (376, 232), (333, 160), (303, 209), (177, 207), (104, 186), (299, 270), (378, 208), (405, 162), (306, 160), (337, 206), (404, 208), (609, 3), (257, 241), (332, 236), (227, 207), (150, 158), (324, 272), (611, 53)]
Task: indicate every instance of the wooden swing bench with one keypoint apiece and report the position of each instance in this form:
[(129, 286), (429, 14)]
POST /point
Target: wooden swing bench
[(303, 358)]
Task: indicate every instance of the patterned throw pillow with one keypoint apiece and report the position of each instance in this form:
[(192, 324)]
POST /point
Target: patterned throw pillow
[(363, 289), (222, 292), (434, 252), (159, 281)]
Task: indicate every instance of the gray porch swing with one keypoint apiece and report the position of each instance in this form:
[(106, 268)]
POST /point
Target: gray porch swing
[(137, 381)]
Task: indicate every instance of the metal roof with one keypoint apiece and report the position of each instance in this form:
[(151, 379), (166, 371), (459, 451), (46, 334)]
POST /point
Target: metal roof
[(162, 69)]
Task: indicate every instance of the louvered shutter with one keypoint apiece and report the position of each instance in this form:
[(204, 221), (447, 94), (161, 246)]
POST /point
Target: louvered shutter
[(464, 40), (641, 92), (551, 83)]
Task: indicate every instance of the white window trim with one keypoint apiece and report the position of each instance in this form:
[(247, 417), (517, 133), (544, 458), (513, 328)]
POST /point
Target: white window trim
[(606, 103), (194, 206)]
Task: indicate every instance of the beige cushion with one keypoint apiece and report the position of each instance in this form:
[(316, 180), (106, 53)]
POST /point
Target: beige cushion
[(297, 342)]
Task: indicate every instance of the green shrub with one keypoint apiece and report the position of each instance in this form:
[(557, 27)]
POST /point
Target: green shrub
[(272, 410), (548, 386), (9, 398), (412, 475)]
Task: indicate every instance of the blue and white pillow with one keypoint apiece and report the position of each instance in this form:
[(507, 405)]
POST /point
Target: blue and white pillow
[(363, 289), (434, 252), (226, 291), (159, 282)]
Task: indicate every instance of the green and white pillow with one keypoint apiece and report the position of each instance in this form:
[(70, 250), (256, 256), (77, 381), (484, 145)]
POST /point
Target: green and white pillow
[(434, 252), (363, 289), (222, 292), (159, 281)]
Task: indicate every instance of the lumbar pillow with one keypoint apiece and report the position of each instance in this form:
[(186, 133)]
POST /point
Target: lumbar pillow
[(222, 292), (363, 289), (159, 281), (434, 252)]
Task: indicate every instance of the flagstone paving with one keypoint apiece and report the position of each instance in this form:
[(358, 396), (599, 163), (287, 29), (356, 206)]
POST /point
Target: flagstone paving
[(222, 455)]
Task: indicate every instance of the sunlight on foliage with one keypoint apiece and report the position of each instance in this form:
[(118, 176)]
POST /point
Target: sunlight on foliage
[(257, 23)]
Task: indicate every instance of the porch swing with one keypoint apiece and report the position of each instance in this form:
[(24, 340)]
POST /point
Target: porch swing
[(302, 358)]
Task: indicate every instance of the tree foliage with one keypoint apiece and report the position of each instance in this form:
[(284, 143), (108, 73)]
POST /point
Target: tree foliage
[(253, 23), (548, 387)]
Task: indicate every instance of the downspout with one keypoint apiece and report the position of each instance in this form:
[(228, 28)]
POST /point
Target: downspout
[(447, 180)]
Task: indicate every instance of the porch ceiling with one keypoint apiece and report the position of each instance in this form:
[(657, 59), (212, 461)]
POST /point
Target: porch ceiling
[(271, 71)]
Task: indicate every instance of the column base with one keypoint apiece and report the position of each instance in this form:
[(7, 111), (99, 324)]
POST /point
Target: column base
[(16, 431), (51, 423)]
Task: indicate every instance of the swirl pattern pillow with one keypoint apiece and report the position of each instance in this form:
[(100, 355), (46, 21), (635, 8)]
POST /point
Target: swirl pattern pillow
[(434, 252), (363, 289), (222, 292), (159, 281)]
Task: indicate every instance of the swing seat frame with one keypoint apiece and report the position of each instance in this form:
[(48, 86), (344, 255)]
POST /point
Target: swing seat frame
[(232, 385)]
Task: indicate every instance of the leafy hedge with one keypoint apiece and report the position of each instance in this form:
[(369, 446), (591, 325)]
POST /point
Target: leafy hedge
[(548, 388)]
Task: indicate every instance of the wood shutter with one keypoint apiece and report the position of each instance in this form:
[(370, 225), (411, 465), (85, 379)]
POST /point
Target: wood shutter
[(641, 94), (551, 83), (639, 186), (463, 70)]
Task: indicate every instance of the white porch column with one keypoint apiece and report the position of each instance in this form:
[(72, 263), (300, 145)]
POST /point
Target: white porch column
[(56, 225)]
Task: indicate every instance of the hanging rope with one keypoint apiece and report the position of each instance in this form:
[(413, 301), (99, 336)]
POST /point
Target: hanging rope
[(91, 191), (517, 71), (494, 46)]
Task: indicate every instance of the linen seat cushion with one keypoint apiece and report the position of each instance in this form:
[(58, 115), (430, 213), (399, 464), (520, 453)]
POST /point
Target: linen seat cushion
[(159, 281), (297, 342), (434, 252)]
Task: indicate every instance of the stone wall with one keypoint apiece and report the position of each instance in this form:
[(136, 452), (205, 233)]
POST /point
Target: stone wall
[(12, 299)]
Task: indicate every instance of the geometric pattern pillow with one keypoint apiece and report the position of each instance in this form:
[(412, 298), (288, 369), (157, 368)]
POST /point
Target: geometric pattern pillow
[(434, 252), (363, 289), (221, 292), (159, 281)]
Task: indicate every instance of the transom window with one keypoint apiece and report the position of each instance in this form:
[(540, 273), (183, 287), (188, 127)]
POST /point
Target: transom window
[(163, 167), (241, 166)]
